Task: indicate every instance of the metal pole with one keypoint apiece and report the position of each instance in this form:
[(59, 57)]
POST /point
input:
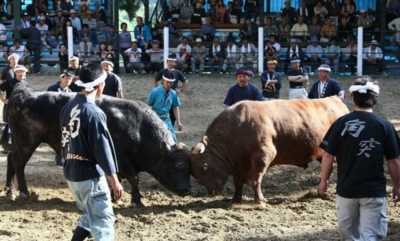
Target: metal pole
[(115, 7), (70, 36), (260, 50), (166, 45), (17, 18), (360, 48)]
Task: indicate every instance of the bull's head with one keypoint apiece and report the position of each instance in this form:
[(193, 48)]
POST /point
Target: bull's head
[(206, 168), (174, 169)]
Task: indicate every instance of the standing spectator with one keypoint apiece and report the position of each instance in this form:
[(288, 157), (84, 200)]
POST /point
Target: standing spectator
[(100, 14), (34, 43), (63, 57), (325, 86), (294, 52), (207, 31), (299, 30), (113, 83), (249, 30), (243, 89), (199, 53), (7, 74), (63, 84), (361, 142), (284, 31), (348, 10), (373, 57), (345, 30), (314, 29), (124, 41), (252, 8), (288, 12), (298, 80), (271, 82), (232, 54), (112, 38), (142, 33), (270, 28), (156, 59), (186, 12), (86, 41), (220, 11), (248, 55), (163, 99), (314, 53), (350, 55), (89, 155), (178, 76), (134, 54), (216, 55), (74, 68), (58, 23), (237, 10), (333, 54), (304, 12), (24, 56), (328, 30)]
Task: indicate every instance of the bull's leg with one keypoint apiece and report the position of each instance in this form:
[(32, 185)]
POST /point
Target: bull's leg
[(238, 182), (10, 191), (133, 178), (58, 159), (19, 158)]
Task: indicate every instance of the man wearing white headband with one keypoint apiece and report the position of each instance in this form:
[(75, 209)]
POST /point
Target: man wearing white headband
[(113, 82), (361, 141), (325, 86), (9, 87), (162, 99), (89, 155)]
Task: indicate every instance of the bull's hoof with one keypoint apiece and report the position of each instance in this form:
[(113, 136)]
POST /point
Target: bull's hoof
[(11, 195), (23, 195), (137, 205)]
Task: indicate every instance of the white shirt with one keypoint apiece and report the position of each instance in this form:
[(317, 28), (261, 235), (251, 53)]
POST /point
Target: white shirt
[(188, 48), (20, 51), (44, 28), (299, 30), (76, 23), (134, 55)]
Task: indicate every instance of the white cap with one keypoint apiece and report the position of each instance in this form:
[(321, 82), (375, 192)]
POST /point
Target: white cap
[(42, 18), (198, 40), (324, 67), (15, 56), (20, 67), (374, 42)]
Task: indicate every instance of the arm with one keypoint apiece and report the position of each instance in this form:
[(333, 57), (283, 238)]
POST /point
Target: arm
[(120, 94), (394, 171), (154, 83), (326, 170), (184, 85), (178, 118)]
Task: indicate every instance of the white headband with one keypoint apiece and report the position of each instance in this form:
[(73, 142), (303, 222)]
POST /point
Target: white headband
[(89, 87), (322, 68), (169, 80), (364, 88)]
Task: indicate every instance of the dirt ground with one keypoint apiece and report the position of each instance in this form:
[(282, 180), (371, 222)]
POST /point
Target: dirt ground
[(293, 210)]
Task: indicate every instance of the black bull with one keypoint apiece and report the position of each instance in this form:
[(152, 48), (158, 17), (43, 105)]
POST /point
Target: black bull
[(142, 141)]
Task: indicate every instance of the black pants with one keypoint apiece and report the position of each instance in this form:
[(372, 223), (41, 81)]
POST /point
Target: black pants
[(36, 49), (172, 116)]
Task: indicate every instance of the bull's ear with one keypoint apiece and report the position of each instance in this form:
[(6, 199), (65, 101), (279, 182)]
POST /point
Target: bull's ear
[(165, 147), (205, 166), (205, 140)]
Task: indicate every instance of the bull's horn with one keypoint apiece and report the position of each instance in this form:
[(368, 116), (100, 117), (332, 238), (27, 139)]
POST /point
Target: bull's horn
[(199, 148), (205, 140), (181, 146)]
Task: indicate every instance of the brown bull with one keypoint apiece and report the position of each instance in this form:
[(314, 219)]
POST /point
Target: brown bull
[(247, 138)]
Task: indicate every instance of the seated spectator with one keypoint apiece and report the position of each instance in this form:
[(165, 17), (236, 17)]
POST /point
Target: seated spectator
[(199, 11), (348, 10), (288, 12), (110, 53), (174, 8), (112, 38), (304, 12), (333, 53), (86, 41), (232, 56), (320, 10), (182, 59), (345, 30), (248, 55), (328, 30), (199, 53), (102, 53), (155, 36), (284, 31), (393, 6), (314, 53), (252, 8), (275, 44), (174, 31), (82, 3), (66, 6), (350, 55), (237, 9), (22, 52), (100, 14), (207, 31), (90, 21), (228, 13), (299, 30), (212, 10), (373, 57), (134, 56), (142, 33), (10, 9), (156, 59), (270, 28), (186, 12), (365, 21), (75, 21), (249, 30), (216, 54), (63, 57), (58, 23), (43, 28), (67, 24), (184, 43), (333, 9), (197, 4), (293, 52), (220, 11), (82, 11), (314, 29), (270, 53)]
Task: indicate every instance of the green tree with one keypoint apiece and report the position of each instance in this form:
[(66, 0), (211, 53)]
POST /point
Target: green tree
[(130, 6)]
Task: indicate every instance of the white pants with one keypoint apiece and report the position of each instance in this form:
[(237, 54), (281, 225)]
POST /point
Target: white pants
[(298, 94), (361, 219)]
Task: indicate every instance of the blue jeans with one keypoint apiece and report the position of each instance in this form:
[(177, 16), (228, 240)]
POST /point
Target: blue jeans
[(94, 199)]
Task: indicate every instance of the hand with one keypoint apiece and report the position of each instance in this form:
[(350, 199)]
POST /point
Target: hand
[(396, 194), (322, 188), (180, 126), (117, 189), (179, 90), (5, 101)]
